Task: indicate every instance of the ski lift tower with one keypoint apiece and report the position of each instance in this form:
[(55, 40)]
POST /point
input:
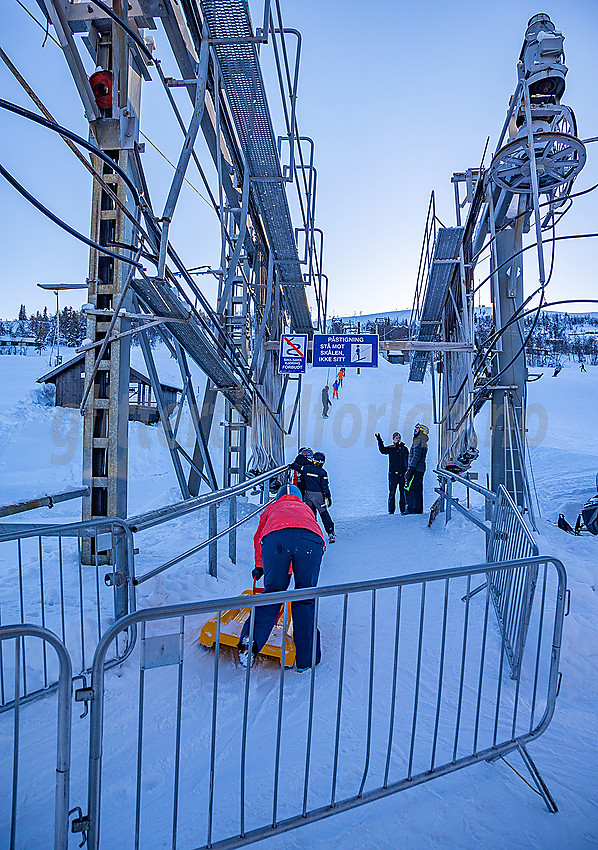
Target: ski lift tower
[(536, 160)]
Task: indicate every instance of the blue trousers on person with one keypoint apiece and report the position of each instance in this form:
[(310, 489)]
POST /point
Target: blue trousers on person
[(303, 549)]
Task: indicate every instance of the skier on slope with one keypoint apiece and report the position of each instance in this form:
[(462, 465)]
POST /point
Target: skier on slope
[(325, 402), (317, 491), (398, 454), (288, 541), (414, 477), (335, 389), (305, 456)]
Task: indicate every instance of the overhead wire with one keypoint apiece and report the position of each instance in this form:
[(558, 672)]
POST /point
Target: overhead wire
[(526, 212), (68, 140), (163, 155), (144, 205), (40, 25), (62, 224)]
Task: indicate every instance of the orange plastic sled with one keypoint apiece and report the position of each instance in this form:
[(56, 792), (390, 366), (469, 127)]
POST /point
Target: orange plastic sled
[(231, 624)]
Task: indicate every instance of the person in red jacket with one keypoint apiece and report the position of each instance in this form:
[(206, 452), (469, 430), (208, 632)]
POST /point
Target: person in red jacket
[(288, 541)]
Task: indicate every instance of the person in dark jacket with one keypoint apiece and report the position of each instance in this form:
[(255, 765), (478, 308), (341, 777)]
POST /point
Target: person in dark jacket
[(325, 402), (288, 541), (397, 467), (305, 456), (335, 389), (317, 491), (416, 466)]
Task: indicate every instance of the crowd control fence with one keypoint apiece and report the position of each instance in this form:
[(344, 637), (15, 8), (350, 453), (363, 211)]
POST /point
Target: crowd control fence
[(508, 537), (30, 757), (210, 754), (512, 591), (74, 580)]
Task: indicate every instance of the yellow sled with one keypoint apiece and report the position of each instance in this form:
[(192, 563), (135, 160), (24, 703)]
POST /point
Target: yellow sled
[(231, 624)]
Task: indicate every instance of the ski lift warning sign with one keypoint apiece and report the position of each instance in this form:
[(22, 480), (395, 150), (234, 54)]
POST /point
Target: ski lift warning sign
[(293, 348), (357, 350)]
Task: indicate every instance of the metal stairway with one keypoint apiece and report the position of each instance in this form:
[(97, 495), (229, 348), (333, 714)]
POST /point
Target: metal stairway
[(444, 260), (246, 96)]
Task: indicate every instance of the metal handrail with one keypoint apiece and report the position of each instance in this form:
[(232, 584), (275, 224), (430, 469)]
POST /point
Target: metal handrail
[(153, 518), (42, 502), (453, 476), (199, 547)]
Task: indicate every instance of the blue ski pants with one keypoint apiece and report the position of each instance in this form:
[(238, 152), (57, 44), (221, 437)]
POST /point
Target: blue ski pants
[(303, 549)]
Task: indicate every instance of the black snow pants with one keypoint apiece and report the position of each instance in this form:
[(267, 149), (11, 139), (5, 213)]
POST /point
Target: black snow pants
[(316, 502), (394, 479), (303, 549), (415, 494)]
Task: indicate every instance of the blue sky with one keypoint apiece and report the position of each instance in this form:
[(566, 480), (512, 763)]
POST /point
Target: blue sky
[(397, 97)]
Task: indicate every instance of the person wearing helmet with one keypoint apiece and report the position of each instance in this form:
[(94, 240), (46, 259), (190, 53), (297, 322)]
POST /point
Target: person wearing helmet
[(416, 466), (317, 491), (398, 454), (288, 541), (305, 456)]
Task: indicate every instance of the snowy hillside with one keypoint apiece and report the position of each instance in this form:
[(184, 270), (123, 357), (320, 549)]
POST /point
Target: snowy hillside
[(486, 805)]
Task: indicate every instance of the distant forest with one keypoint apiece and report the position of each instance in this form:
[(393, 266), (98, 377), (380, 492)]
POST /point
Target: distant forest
[(42, 328), (554, 337)]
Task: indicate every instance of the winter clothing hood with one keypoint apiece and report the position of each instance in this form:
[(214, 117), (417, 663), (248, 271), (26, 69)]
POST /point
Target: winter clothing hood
[(417, 455), (286, 512)]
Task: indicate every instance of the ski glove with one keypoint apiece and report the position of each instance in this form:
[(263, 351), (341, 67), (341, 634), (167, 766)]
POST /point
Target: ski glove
[(257, 573), (329, 501)]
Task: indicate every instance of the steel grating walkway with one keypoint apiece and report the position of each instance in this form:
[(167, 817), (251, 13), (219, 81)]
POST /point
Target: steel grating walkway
[(246, 95), (444, 259), (162, 300)]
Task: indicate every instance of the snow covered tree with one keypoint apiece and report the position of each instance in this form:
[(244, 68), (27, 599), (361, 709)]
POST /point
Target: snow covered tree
[(39, 339)]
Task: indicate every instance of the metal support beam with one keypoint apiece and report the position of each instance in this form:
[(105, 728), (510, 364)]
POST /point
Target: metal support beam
[(507, 464), (168, 433)]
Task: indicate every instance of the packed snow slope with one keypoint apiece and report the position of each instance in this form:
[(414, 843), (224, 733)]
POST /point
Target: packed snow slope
[(488, 805)]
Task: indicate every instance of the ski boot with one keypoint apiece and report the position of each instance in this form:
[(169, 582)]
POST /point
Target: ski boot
[(331, 537), (246, 658)]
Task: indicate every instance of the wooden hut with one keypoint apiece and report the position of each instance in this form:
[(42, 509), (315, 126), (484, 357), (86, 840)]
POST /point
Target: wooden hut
[(69, 379)]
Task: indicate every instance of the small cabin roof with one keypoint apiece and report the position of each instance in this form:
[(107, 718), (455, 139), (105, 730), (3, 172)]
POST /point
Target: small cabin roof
[(135, 375)]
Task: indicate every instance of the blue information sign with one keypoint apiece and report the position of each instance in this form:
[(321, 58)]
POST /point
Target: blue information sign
[(293, 348), (345, 350)]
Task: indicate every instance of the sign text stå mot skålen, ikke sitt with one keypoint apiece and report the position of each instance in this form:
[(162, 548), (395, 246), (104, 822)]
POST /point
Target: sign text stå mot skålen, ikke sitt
[(349, 350), (293, 354)]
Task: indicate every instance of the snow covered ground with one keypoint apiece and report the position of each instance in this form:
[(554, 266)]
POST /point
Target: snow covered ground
[(40, 452)]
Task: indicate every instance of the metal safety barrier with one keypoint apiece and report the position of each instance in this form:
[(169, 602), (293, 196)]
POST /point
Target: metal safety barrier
[(512, 590), (19, 808), (261, 485), (445, 491), (211, 754), (508, 538), (74, 579)]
